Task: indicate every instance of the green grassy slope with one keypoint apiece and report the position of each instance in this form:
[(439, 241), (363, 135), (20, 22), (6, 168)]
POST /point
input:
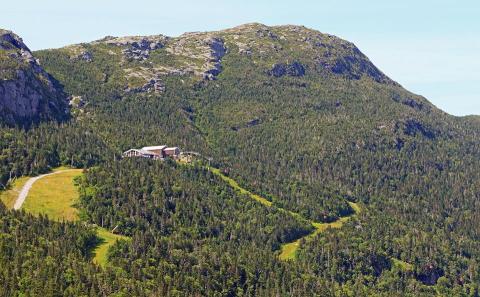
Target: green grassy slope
[(55, 196)]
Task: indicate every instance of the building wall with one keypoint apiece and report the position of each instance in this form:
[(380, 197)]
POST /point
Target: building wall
[(158, 152), (172, 152), (132, 154)]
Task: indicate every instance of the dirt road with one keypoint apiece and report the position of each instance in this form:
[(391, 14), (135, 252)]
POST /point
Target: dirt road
[(26, 188)]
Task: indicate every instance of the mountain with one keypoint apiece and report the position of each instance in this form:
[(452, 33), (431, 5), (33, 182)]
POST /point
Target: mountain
[(27, 92), (297, 116), (270, 103)]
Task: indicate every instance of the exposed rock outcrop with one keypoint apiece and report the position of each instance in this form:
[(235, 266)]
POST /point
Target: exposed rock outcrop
[(137, 47), (154, 85), (265, 32), (202, 49), (76, 101), (217, 51), (85, 56), (11, 41), (27, 92)]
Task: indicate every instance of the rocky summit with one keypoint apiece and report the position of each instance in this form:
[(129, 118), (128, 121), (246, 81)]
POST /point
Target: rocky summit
[(144, 62)]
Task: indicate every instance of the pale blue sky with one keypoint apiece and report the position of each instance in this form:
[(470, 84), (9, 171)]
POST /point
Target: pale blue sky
[(431, 47)]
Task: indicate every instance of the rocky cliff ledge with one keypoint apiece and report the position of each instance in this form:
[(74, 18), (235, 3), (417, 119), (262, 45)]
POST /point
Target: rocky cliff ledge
[(27, 92)]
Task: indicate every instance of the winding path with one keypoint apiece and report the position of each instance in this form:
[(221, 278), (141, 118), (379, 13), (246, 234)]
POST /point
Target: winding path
[(107, 237), (288, 250), (28, 185)]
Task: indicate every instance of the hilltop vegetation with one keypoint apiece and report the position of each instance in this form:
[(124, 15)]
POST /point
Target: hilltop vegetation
[(297, 116)]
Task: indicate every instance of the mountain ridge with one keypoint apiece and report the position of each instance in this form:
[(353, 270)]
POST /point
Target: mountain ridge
[(200, 53)]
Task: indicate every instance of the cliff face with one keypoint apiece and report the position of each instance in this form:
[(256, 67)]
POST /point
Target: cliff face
[(27, 92)]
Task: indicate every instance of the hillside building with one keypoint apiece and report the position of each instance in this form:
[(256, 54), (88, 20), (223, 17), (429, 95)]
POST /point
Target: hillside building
[(157, 152), (158, 149)]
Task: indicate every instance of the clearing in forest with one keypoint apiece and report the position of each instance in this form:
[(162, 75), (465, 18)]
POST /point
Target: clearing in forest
[(108, 239), (288, 250), (55, 195), (10, 195), (237, 187)]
